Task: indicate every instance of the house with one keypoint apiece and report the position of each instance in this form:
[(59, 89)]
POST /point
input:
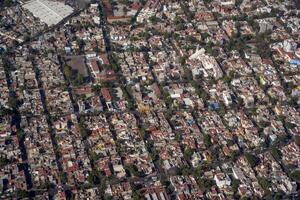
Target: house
[(222, 179)]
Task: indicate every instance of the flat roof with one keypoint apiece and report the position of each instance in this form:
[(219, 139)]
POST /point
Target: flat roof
[(49, 12)]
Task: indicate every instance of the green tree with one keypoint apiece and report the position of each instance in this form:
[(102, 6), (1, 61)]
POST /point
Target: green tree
[(188, 152), (182, 60), (207, 140), (22, 194), (133, 170), (12, 102), (94, 156), (192, 39), (3, 161), (67, 71), (63, 177), (145, 35), (83, 130), (238, 3), (108, 197), (7, 3), (276, 153), (296, 175), (205, 183), (263, 124), (264, 183), (94, 177), (136, 195), (279, 195), (289, 125), (207, 1), (185, 171), (4, 111), (96, 88), (297, 140), (178, 20), (234, 155), (78, 80), (235, 184), (205, 35), (154, 19), (252, 160)]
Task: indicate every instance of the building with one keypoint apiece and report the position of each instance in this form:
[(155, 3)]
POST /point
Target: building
[(49, 12)]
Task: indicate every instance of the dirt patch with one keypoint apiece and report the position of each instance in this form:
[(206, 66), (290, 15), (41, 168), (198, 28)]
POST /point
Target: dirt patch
[(78, 63)]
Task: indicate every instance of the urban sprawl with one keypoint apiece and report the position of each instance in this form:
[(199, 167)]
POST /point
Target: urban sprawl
[(150, 99)]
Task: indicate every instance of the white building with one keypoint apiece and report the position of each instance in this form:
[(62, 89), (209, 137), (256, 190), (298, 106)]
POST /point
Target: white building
[(49, 12), (222, 179)]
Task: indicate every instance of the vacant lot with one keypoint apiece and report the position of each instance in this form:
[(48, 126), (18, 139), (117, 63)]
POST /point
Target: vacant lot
[(78, 63)]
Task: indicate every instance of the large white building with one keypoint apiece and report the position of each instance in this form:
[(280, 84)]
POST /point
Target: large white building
[(49, 12), (222, 179)]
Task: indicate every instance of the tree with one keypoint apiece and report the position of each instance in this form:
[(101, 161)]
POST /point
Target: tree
[(21, 134), (145, 35), (182, 60), (190, 15), (94, 177), (289, 125), (186, 171), (207, 1), (205, 35), (296, 175), (12, 102), (96, 88), (178, 137), (234, 155), (154, 19), (80, 44), (78, 80), (293, 102), (67, 71), (63, 177), (205, 183), (276, 153), (235, 184), (178, 20), (136, 195), (252, 160), (192, 39), (6, 3), (297, 140), (263, 124), (108, 197), (207, 140), (3, 161), (154, 155), (94, 156), (133, 170), (188, 152), (22, 194), (96, 49), (4, 111), (238, 3), (264, 183), (278, 195), (83, 130), (167, 98)]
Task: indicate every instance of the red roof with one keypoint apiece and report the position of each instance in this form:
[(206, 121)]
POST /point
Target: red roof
[(95, 66), (105, 93), (104, 59), (83, 90), (135, 6)]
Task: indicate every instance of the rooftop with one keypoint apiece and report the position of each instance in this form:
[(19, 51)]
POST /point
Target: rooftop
[(49, 12)]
